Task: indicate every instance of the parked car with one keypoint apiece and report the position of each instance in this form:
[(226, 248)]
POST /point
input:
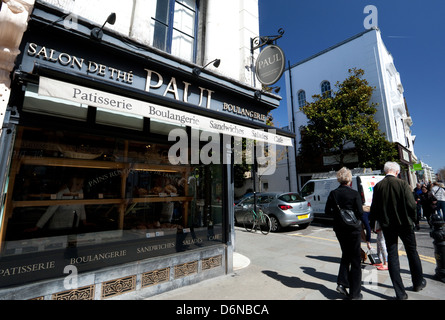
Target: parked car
[(242, 197), (284, 209)]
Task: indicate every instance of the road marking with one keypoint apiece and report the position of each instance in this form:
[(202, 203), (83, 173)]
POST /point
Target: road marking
[(424, 258), (403, 253), (304, 236)]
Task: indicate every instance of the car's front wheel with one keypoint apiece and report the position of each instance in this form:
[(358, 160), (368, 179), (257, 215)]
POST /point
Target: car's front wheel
[(274, 224)]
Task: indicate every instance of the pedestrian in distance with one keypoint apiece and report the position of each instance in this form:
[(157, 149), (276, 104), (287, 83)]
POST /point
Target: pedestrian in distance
[(416, 193), (438, 191), (350, 272), (429, 202), (393, 206)]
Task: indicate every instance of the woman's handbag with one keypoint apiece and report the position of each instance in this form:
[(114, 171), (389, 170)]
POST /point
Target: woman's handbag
[(374, 258), (348, 216)]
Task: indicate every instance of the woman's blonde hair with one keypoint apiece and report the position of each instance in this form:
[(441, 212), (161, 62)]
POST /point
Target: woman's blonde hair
[(344, 176)]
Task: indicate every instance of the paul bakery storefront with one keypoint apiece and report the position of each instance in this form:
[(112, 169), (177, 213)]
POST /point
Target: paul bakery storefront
[(95, 203)]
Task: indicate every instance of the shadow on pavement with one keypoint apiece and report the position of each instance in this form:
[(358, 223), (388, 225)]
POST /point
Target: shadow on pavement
[(295, 282), (326, 259)]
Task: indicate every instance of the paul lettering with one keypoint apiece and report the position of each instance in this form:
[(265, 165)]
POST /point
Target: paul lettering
[(269, 61), (209, 97), (148, 83), (172, 88), (154, 80)]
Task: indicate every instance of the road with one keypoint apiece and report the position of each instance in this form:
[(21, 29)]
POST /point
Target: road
[(323, 228)]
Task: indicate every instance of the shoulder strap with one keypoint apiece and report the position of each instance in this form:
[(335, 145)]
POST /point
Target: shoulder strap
[(335, 199)]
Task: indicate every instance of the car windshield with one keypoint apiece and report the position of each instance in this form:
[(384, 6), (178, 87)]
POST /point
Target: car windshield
[(291, 197)]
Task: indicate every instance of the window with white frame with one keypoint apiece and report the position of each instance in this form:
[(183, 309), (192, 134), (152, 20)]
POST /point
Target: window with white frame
[(173, 27), (326, 89), (301, 98)]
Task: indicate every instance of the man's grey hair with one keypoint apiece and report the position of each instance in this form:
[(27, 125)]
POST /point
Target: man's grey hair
[(392, 167)]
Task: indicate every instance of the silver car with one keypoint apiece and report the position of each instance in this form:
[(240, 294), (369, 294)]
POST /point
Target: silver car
[(284, 209)]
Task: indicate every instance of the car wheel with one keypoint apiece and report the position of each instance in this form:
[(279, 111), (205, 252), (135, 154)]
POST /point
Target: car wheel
[(274, 224)]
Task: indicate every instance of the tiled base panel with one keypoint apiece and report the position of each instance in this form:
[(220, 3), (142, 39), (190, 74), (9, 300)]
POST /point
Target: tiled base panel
[(136, 280)]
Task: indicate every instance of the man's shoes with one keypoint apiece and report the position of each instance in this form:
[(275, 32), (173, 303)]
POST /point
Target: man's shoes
[(341, 289), (420, 287), (404, 297)]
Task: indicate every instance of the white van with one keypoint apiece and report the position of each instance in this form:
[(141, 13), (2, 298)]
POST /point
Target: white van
[(316, 191)]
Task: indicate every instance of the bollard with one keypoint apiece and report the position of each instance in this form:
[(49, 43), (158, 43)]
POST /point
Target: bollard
[(438, 235)]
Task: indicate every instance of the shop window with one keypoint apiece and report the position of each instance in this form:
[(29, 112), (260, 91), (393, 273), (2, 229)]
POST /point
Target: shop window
[(173, 27), (93, 201)]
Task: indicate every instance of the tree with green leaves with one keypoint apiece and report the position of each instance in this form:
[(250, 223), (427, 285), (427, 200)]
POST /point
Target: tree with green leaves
[(344, 119)]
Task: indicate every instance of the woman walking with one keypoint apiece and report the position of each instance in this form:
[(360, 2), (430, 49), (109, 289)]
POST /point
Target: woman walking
[(350, 272)]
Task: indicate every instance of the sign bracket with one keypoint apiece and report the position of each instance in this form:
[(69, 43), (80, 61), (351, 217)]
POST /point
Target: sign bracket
[(258, 42)]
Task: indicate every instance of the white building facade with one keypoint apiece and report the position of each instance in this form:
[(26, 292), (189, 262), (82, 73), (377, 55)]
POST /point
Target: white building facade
[(322, 71)]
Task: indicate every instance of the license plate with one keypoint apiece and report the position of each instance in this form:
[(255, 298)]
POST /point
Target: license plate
[(303, 217)]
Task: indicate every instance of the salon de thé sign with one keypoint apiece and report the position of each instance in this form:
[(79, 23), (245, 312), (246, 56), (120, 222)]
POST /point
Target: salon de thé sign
[(148, 81)]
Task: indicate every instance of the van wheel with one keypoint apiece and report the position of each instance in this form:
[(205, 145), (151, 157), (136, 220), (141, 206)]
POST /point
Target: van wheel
[(274, 224)]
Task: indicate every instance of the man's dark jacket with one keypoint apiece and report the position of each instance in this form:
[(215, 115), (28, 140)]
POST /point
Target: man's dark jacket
[(393, 204)]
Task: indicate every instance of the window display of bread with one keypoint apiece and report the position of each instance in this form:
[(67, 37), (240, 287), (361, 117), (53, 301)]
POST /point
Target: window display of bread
[(157, 190), (169, 189)]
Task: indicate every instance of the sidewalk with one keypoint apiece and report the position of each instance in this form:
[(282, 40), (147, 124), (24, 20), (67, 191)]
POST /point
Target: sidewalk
[(297, 268)]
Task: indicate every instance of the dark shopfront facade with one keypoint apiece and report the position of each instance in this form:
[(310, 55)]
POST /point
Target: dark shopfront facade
[(92, 205)]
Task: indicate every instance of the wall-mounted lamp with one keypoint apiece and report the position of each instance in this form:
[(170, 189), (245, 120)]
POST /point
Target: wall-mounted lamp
[(257, 95), (197, 71), (97, 33)]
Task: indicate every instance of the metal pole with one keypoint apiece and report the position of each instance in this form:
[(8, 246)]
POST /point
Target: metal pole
[(293, 126)]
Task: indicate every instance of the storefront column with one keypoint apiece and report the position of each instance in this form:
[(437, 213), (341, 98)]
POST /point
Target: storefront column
[(14, 17), (6, 145)]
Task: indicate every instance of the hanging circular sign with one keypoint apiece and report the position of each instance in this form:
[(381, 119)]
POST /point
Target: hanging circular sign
[(270, 65)]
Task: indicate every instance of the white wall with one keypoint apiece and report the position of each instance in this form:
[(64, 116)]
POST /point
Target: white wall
[(366, 52), (229, 25)]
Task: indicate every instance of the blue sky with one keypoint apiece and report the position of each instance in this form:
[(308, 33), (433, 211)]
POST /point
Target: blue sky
[(414, 33)]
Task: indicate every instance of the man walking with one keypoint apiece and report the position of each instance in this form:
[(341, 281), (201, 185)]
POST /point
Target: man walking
[(394, 207)]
